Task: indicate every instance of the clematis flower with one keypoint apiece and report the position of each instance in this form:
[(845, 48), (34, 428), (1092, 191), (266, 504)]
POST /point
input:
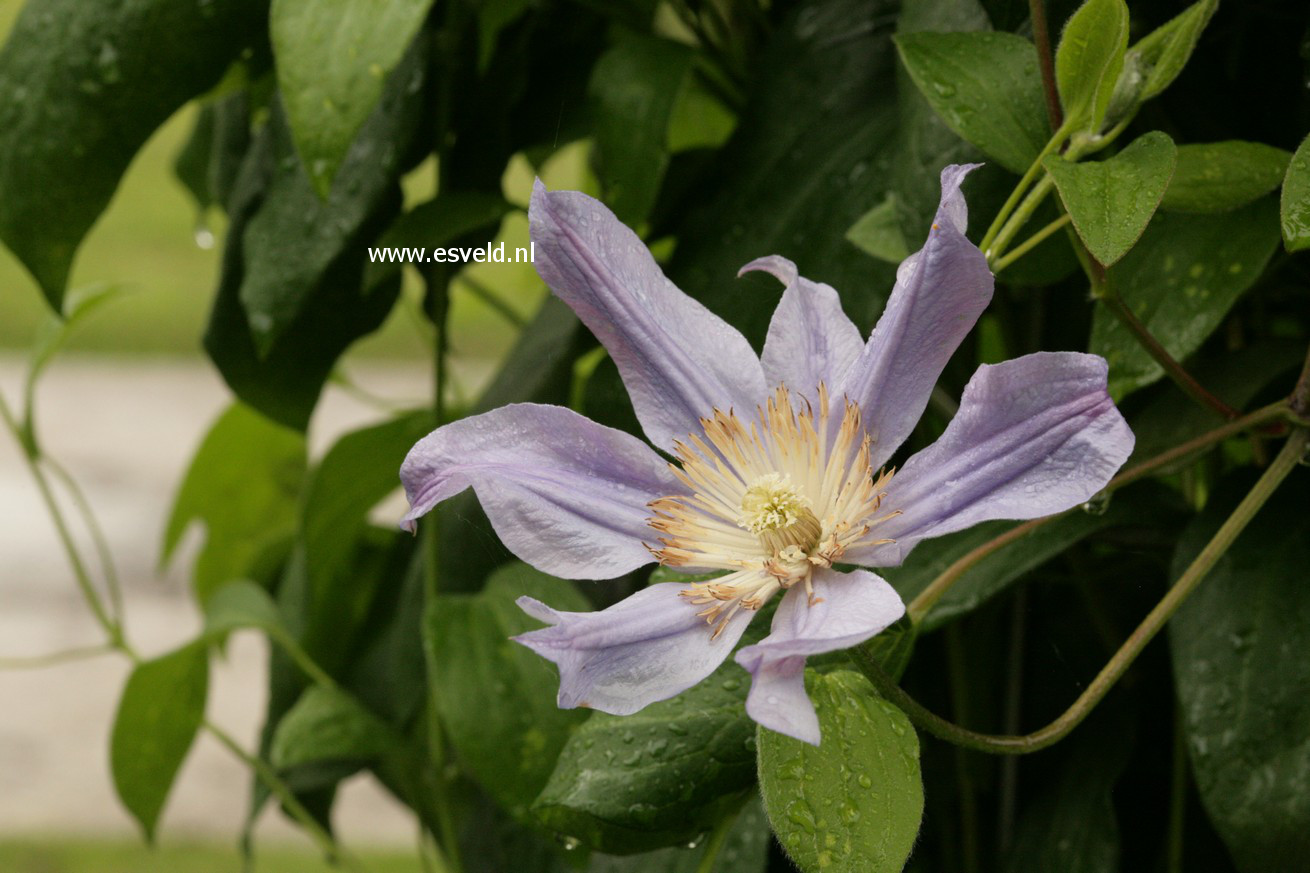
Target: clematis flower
[(777, 475)]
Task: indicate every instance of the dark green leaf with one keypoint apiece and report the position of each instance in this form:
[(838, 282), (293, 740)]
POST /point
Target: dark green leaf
[(239, 606), (994, 573), (1089, 59), (495, 697), (82, 86), (853, 804), (1237, 647), (1219, 176), (332, 61), (325, 725), (1181, 279), (986, 86), (635, 86), (209, 162), (1162, 54), (1296, 200), (657, 778), (1112, 201), (244, 486), (878, 233), (158, 716), (818, 122), (745, 849)]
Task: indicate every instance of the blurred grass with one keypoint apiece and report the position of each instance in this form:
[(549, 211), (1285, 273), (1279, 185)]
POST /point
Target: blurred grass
[(94, 856)]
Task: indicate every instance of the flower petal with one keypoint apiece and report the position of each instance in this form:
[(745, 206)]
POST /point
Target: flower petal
[(847, 609), (1034, 436), (810, 339), (678, 360), (940, 292), (648, 647), (565, 494)]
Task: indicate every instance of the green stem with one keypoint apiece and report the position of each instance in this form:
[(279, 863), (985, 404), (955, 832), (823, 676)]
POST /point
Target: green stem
[(1029, 244), (1019, 218), (1024, 181), (112, 630), (36, 662), (103, 551), (923, 603), (1292, 452), (287, 797), (487, 296), (714, 843)]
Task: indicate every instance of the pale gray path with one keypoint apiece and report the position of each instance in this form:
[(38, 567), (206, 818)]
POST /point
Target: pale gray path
[(126, 429)]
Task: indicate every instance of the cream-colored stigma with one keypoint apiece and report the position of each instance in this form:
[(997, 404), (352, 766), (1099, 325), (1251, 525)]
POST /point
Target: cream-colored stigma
[(769, 501)]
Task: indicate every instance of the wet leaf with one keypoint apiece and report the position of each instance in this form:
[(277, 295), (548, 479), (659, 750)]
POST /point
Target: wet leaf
[(1219, 176), (1089, 59), (853, 804), (1236, 646), (1163, 53), (1296, 200), (157, 720), (878, 233), (987, 88), (1112, 201), (326, 725)]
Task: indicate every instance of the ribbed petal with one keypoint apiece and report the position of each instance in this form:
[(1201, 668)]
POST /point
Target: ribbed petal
[(848, 608), (810, 339), (940, 292), (678, 360), (565, 494), (648, 647), (1034, 436)]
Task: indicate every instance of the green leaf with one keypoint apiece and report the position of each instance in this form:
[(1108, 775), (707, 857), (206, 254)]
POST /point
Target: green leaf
[(634, 89), (332, 61), (819, 121), (1180, 280), (987, 88), (1089, 59), (1219, 176), (658, 778), (211, 158), (239, 606), (745, 849), (244, 486), (497, 698), (996, 572), (325, 725), (1296, 200), (162, 707), (1241, 682), (82, 87), (878, 233), (1112, 201), (853, 804), (1162, 54)]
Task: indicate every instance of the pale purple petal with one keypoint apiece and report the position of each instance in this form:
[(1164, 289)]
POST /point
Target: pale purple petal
[(565, 494), (678, 360), (940, 292), (648, 647), (1034, 436), (810, 339), (848, 608)]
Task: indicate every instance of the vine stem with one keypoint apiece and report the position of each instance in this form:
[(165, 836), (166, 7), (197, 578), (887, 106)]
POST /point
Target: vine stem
[(36, 662), (714, 844), (1029, 176), (287, 797), (1292, 452), (1046, 61), (923, 603), (998, 264)]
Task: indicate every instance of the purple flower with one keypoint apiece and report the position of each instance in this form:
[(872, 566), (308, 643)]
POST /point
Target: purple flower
[(777, 474)]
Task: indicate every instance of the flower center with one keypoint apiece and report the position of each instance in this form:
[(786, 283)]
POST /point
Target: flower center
[(769, 501)]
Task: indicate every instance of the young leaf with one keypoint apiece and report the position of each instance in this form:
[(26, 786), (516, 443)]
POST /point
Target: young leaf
[(1242, 687), (244, 485), (987, 88), (82, 86), (1181, 279), (332, 60), (1112, 201), (634, 87), (1296, 200), (878, 233), (1089, 59), (1219, 176), (1163, 53), (496, 698), (638, 782), (158, 716), (853, 804), (326, 725)]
